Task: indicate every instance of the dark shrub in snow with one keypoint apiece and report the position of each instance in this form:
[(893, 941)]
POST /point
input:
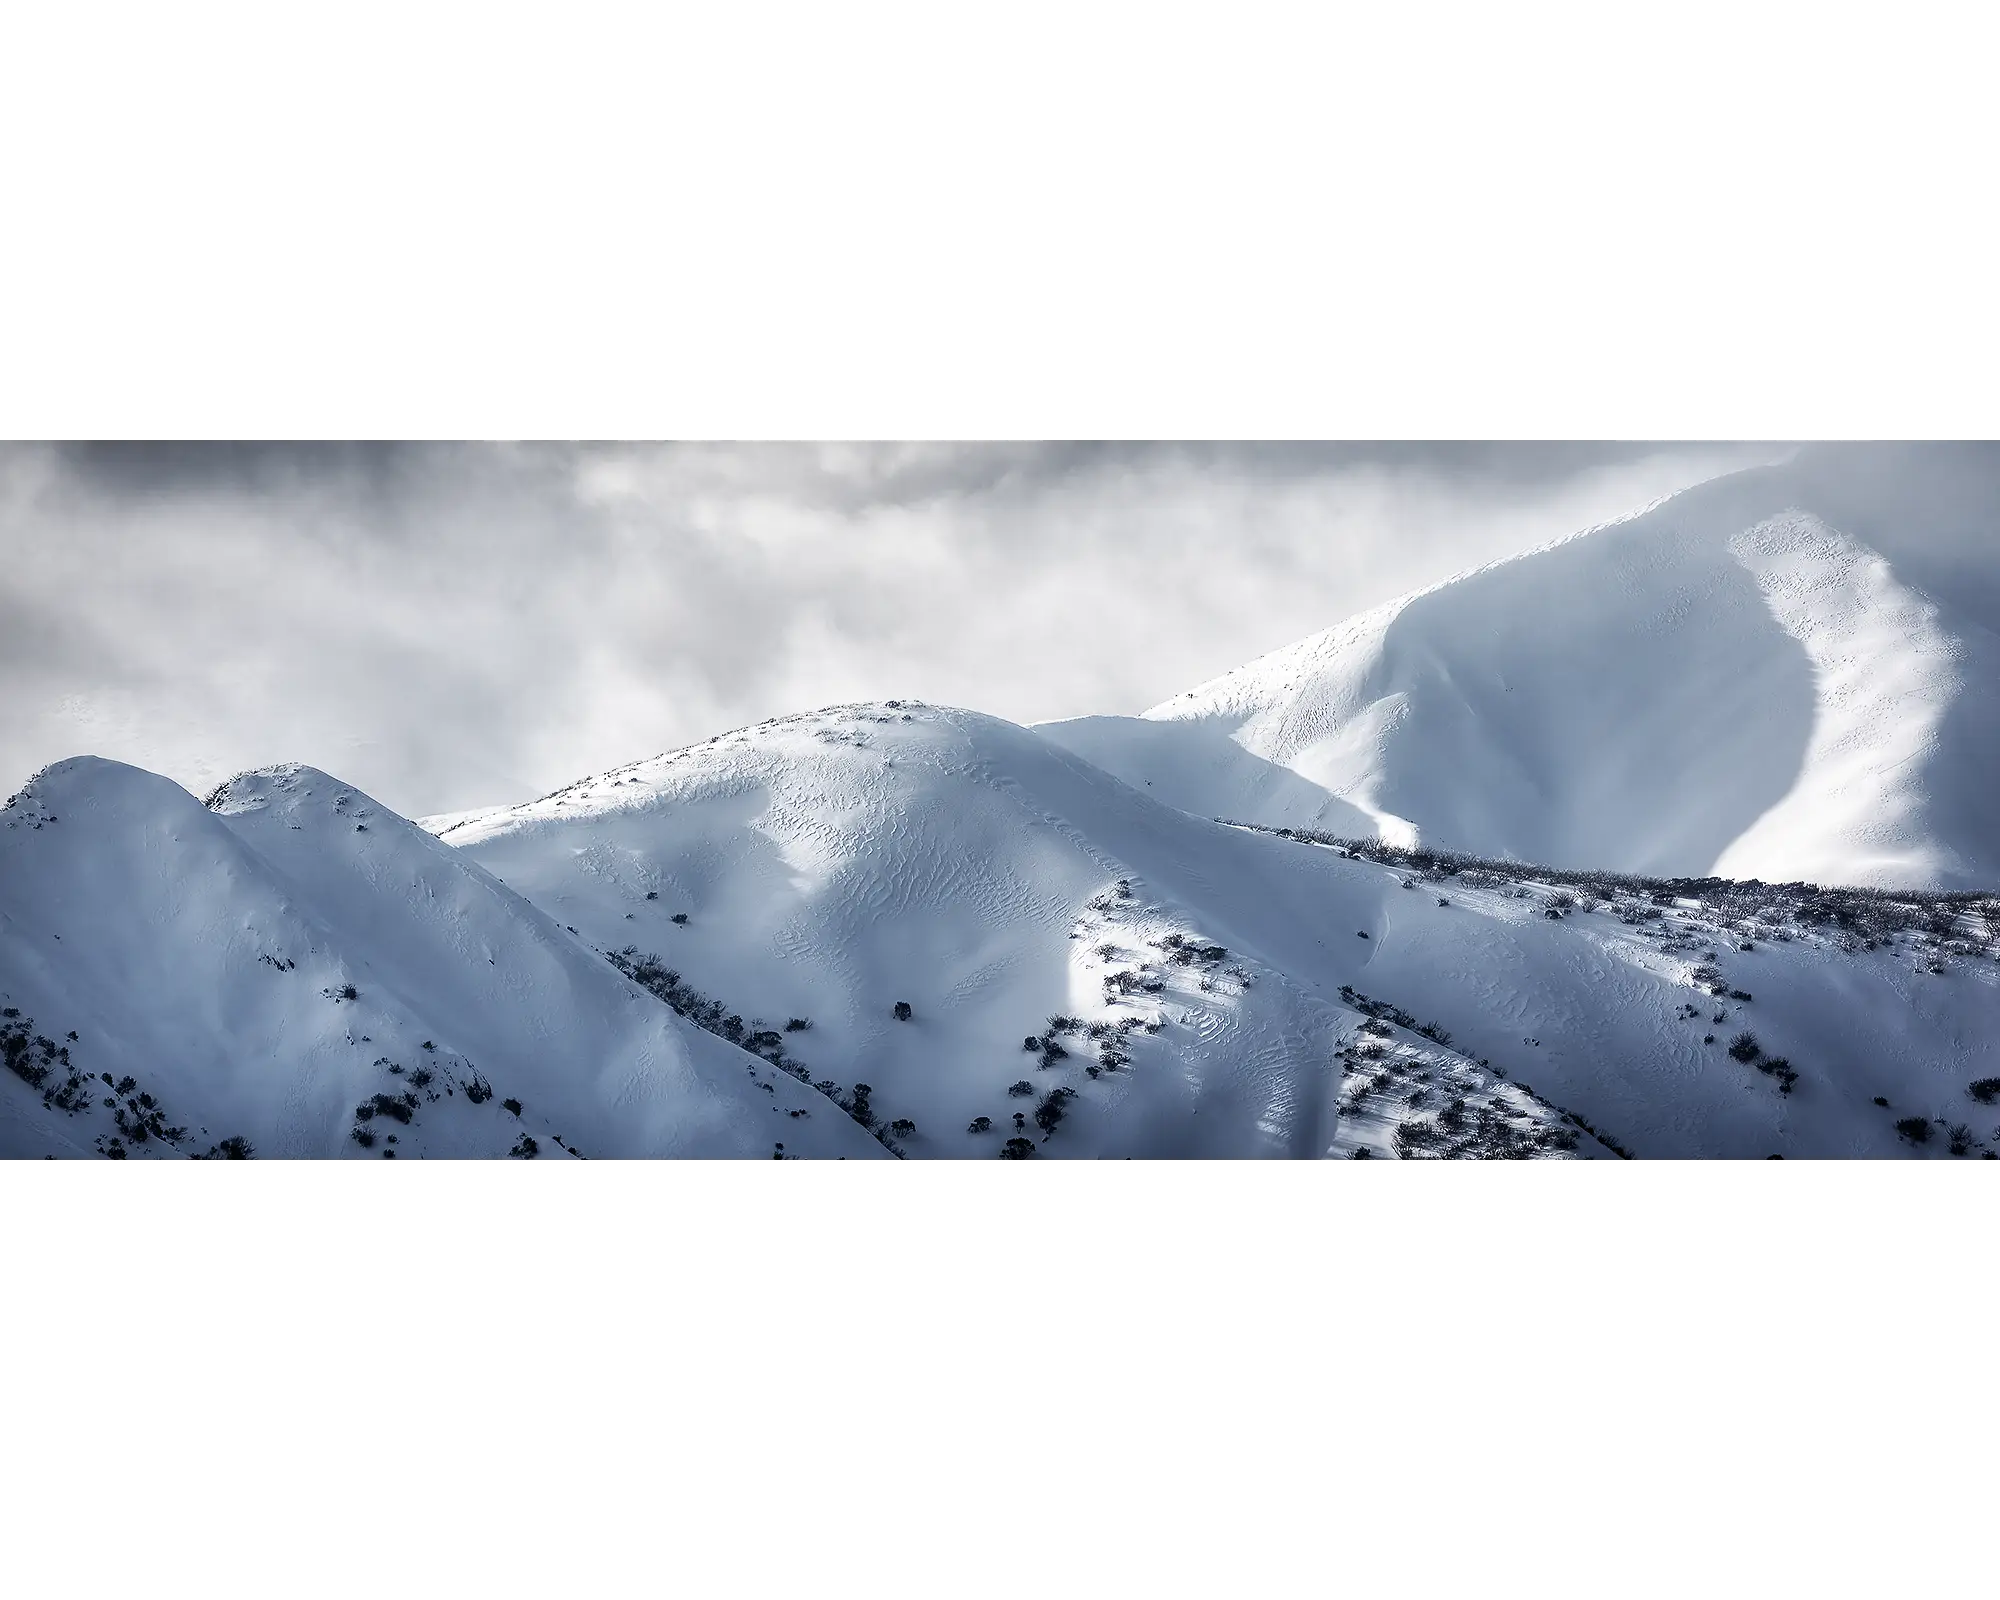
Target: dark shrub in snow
[(1020, 1087), (512, 1105), (527, 1149), (1984, 1090), (903, 1011), (980, 1125), (1781, 1069), (1017, 1149), (1049, 1114), (19, 1061), (1744, 1047), (383, 1105), (1916, 1129)]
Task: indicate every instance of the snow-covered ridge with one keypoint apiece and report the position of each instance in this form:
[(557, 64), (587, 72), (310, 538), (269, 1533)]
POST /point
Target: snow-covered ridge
[(276, 967), (839, 863), (1770, 675)]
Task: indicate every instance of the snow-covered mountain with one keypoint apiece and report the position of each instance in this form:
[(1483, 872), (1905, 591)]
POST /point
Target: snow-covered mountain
[(1245, 987), (294, 966), (1784, 674), (902, 929)]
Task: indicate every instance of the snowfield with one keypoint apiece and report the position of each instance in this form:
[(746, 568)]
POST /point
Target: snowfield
[(1357, 899)]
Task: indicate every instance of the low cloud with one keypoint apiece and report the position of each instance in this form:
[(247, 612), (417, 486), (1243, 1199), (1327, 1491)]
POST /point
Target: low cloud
[(449, 626)]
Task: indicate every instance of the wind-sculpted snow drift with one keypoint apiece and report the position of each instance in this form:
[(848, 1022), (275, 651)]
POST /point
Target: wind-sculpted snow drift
[(898, 929)]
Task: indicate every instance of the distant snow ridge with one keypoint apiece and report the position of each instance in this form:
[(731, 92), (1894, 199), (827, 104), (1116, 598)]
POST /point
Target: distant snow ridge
[(1770, 675)]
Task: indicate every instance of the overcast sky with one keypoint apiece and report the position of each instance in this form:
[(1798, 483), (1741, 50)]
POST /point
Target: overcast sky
[(452, 626)]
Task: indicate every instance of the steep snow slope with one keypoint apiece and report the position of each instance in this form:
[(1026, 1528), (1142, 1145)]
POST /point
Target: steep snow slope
[(827, 867), (261, 969), (1780, 674)]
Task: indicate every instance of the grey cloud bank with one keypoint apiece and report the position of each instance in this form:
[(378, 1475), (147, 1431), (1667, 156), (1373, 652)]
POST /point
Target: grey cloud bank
[(456, 625)]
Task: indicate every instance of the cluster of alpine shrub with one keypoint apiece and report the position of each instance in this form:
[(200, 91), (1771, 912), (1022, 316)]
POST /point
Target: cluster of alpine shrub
[(1186, 952), (1745, 1048), (398, 1108), (1381, 1012), (655, 976), (1856, 918), (34, 1059), (141, 1119), (1054, 1106), (27, 1054), (1959, 1139)]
